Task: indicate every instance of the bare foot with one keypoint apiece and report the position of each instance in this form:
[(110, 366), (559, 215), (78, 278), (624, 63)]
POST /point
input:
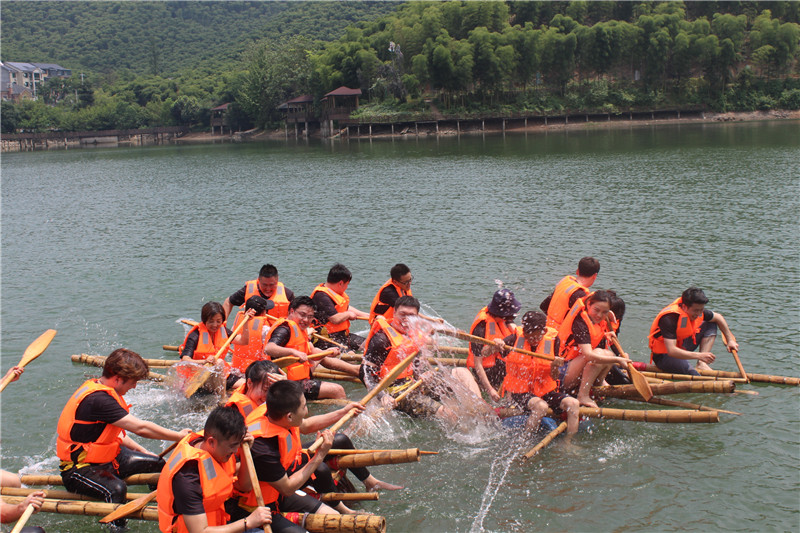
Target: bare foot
[(702, 366), (343, 509), (380, 485), (587, 402)]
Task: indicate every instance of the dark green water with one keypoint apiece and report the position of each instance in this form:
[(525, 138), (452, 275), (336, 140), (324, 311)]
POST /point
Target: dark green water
[(111, 246)]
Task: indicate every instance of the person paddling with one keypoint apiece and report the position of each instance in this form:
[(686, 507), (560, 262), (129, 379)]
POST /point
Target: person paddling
[(201, 475), (569, 290), (334, 311), (684, 326), (268, 286), (495, 321), (95, 453), (582, 335)]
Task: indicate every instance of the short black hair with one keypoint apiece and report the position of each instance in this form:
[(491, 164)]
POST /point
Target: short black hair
[(398, 271), (339, 272), (257, 370), (407, 301), (256, 302), (268, 271), (302, 300), (534, 322), (225, 423), (284, 397), (588, 267), (693, 295)]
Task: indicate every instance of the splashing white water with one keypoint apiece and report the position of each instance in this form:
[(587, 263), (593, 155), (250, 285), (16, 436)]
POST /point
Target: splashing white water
[(497, 475)]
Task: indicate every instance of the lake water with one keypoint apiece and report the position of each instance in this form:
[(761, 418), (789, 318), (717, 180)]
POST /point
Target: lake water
[(112, 246)]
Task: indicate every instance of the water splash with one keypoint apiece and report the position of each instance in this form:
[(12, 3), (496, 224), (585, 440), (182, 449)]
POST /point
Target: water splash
[(497, 475)]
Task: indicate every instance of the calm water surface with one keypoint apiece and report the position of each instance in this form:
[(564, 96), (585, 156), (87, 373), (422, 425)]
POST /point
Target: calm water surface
[(111, 246)]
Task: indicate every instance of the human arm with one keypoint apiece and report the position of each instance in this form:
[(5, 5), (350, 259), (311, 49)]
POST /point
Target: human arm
[(276, 346), (15, 372), (483, 380), (234, 300), (375, 352), (149, 430), (545, 305), (720, 321), (199, 523), (288, 484), (190, 345), (668, 326), (243, 338), (12, 513)]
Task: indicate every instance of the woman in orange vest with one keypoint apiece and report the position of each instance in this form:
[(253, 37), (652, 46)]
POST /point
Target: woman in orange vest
[(95, 453), (399, 284), (583, 345), (201, 474), (494, 322), (333, 308), (533, 382)]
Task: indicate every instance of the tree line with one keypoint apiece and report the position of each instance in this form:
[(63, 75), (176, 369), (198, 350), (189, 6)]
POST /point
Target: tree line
[(469, 57)]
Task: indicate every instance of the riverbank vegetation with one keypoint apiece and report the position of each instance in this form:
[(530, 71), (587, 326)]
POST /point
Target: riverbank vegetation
[(412, 59)]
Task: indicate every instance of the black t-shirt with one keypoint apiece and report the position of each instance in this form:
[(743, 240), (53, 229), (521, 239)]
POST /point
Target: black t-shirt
[(280, 335), (100, 407), (191, 342), (580, 334), (375, 353), (668, 324), (387, 299), (267, 459), (187, 491), (579, 293), (237, 298), (325, 307)]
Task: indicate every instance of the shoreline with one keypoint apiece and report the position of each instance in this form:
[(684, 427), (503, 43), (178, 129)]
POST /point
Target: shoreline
[(426, 131), (710, 118)]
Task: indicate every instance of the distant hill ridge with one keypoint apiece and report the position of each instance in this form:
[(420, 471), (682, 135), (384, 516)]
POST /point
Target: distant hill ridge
[(164, 37)]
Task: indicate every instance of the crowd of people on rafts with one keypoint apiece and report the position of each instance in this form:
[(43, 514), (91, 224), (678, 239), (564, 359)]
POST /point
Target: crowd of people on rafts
[(204, 484)]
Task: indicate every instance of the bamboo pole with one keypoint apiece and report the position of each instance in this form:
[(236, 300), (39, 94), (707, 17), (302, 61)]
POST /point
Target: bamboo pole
[(100, 360), (457, 350), (662, 416), (660, 389), (55, 480), (758, 378), (683, 405), (334, 376), (389, 457), (449, 361), (286, 361), (314, 523), (349, 496), (687, 377), (331, 401), (545, 441), (59, 494)]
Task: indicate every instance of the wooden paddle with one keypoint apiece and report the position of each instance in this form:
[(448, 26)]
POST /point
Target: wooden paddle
[(251, 469), (23, 519), (33, 351), (140, 502), (735, 357), (639, 381), (288, 360), (200, 379), (464, 336), (547, 440), (385, 382)]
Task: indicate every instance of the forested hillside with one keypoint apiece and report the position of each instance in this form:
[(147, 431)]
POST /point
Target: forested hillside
[(167, 63), (164, 38)]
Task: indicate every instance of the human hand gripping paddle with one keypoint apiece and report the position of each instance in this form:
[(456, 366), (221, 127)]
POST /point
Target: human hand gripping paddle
[(251, 469), (140, 502), (385, 382), (36, 502), (735, 353), (34, 350), (200, 379), (639, 381)]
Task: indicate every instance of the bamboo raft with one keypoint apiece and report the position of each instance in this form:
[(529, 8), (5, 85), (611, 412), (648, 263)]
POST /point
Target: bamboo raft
[(757, 378), (314, 523), (660, 416)]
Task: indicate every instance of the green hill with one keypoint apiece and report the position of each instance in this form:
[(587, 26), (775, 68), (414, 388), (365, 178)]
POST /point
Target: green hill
[(164, 37)]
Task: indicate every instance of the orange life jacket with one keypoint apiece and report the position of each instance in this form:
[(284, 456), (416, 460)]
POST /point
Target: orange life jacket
[(207, 344), (389, 313), (289, 446), (341, 302), (400, 348), (298, 340), (243, 355), (569, 350), (527, 374), (106, 448), (281, 309), (244, 404), (686, 328), (559, 303), (496, 328), (216, 482)]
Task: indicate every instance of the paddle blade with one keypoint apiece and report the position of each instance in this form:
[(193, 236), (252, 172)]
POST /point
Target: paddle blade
[(640, 382), (130, 507), (38, 346), (197, 381)]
